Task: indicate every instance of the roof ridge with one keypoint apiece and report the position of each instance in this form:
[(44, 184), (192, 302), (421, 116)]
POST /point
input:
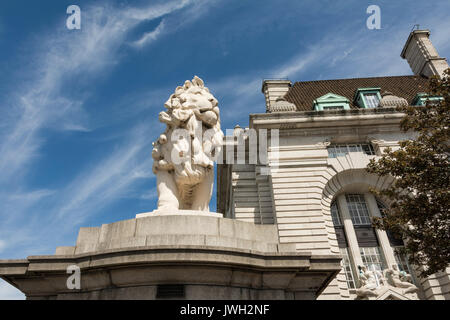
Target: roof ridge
[(403, 76)]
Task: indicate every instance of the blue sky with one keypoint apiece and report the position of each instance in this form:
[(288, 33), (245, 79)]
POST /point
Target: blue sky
[(78, 108)]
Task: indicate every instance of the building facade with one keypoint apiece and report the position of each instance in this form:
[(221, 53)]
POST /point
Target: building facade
[(314, 186)]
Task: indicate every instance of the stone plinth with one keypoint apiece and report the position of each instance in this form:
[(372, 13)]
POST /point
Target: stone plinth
[(209, 257)]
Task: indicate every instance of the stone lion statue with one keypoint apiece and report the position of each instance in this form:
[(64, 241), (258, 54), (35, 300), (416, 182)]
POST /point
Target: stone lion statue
[(183, 156)]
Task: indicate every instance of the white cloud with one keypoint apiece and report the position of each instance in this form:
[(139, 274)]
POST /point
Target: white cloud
[(155, 11), (341, 55), (149, 36), (42, 102), (109, 179)]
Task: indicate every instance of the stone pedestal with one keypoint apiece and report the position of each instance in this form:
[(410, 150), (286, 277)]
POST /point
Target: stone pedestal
[(182, 256)]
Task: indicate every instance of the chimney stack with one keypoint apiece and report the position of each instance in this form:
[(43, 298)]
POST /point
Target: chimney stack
[(422, 56), (274, 89)]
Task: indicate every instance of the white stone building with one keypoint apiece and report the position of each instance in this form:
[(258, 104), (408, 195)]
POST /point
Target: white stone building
[(317, 192)]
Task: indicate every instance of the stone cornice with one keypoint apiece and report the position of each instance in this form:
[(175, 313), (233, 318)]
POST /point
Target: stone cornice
[(318, 119)]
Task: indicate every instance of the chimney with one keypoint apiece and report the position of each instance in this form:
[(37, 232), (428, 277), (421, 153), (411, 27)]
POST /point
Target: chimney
[(274, 89), (422, 56)]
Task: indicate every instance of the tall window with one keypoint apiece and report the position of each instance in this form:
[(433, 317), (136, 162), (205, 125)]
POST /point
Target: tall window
[(360, 240), (347, 268), (335, 215), (358, 209), (340, 150), (402, 263), (342, 243)]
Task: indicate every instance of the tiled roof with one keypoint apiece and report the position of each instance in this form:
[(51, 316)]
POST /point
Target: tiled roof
[(302, 94)]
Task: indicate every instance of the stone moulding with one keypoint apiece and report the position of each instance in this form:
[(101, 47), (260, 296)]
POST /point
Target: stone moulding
[(233, 257), (179, 212)]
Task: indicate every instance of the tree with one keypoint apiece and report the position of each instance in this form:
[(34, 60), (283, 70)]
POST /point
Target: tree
[(419, 197)]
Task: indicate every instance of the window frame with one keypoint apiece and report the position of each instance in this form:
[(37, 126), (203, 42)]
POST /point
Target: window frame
[(347, 268), (402, 261), (345, 149), (335, 214), (360, 98), (421, 99), (330, 101), (362, 217)]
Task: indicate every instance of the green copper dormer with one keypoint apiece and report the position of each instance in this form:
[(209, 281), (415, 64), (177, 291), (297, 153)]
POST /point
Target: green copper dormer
[(331, 101), (421, 99), (367, 98)]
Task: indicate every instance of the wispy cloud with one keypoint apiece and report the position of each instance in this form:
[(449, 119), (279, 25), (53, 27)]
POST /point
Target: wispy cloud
[(149, 36), (337, 54), (98, 186), (45, 101)]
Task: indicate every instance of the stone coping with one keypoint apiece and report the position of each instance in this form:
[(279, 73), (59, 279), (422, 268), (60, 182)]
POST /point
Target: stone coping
[(156, 213), (177, 229), (321, 119), (327, 113)]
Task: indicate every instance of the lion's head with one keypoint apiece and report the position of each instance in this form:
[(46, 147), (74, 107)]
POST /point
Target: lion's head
[(192, 108)]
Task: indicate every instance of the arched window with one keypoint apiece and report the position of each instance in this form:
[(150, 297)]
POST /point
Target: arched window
[(353, 214), (357, 211)]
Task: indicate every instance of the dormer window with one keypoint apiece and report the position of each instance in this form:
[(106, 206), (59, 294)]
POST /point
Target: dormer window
[(331, 101), (421, 99), (368, 98)]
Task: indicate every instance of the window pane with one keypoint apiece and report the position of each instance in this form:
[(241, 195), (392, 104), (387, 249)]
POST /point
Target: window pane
[(335, 214), (333, 107), (373, 260), (343, 149), (368, 149), (347, 268), (402, 263), (371, 100), (353, 148), (332, 152), (394, 239), (358, 210)]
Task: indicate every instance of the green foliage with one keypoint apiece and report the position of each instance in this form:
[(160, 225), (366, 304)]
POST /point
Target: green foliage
[(419, 197)]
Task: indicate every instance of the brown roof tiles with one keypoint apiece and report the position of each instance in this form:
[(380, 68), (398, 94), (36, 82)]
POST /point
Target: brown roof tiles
[(302, 94)]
